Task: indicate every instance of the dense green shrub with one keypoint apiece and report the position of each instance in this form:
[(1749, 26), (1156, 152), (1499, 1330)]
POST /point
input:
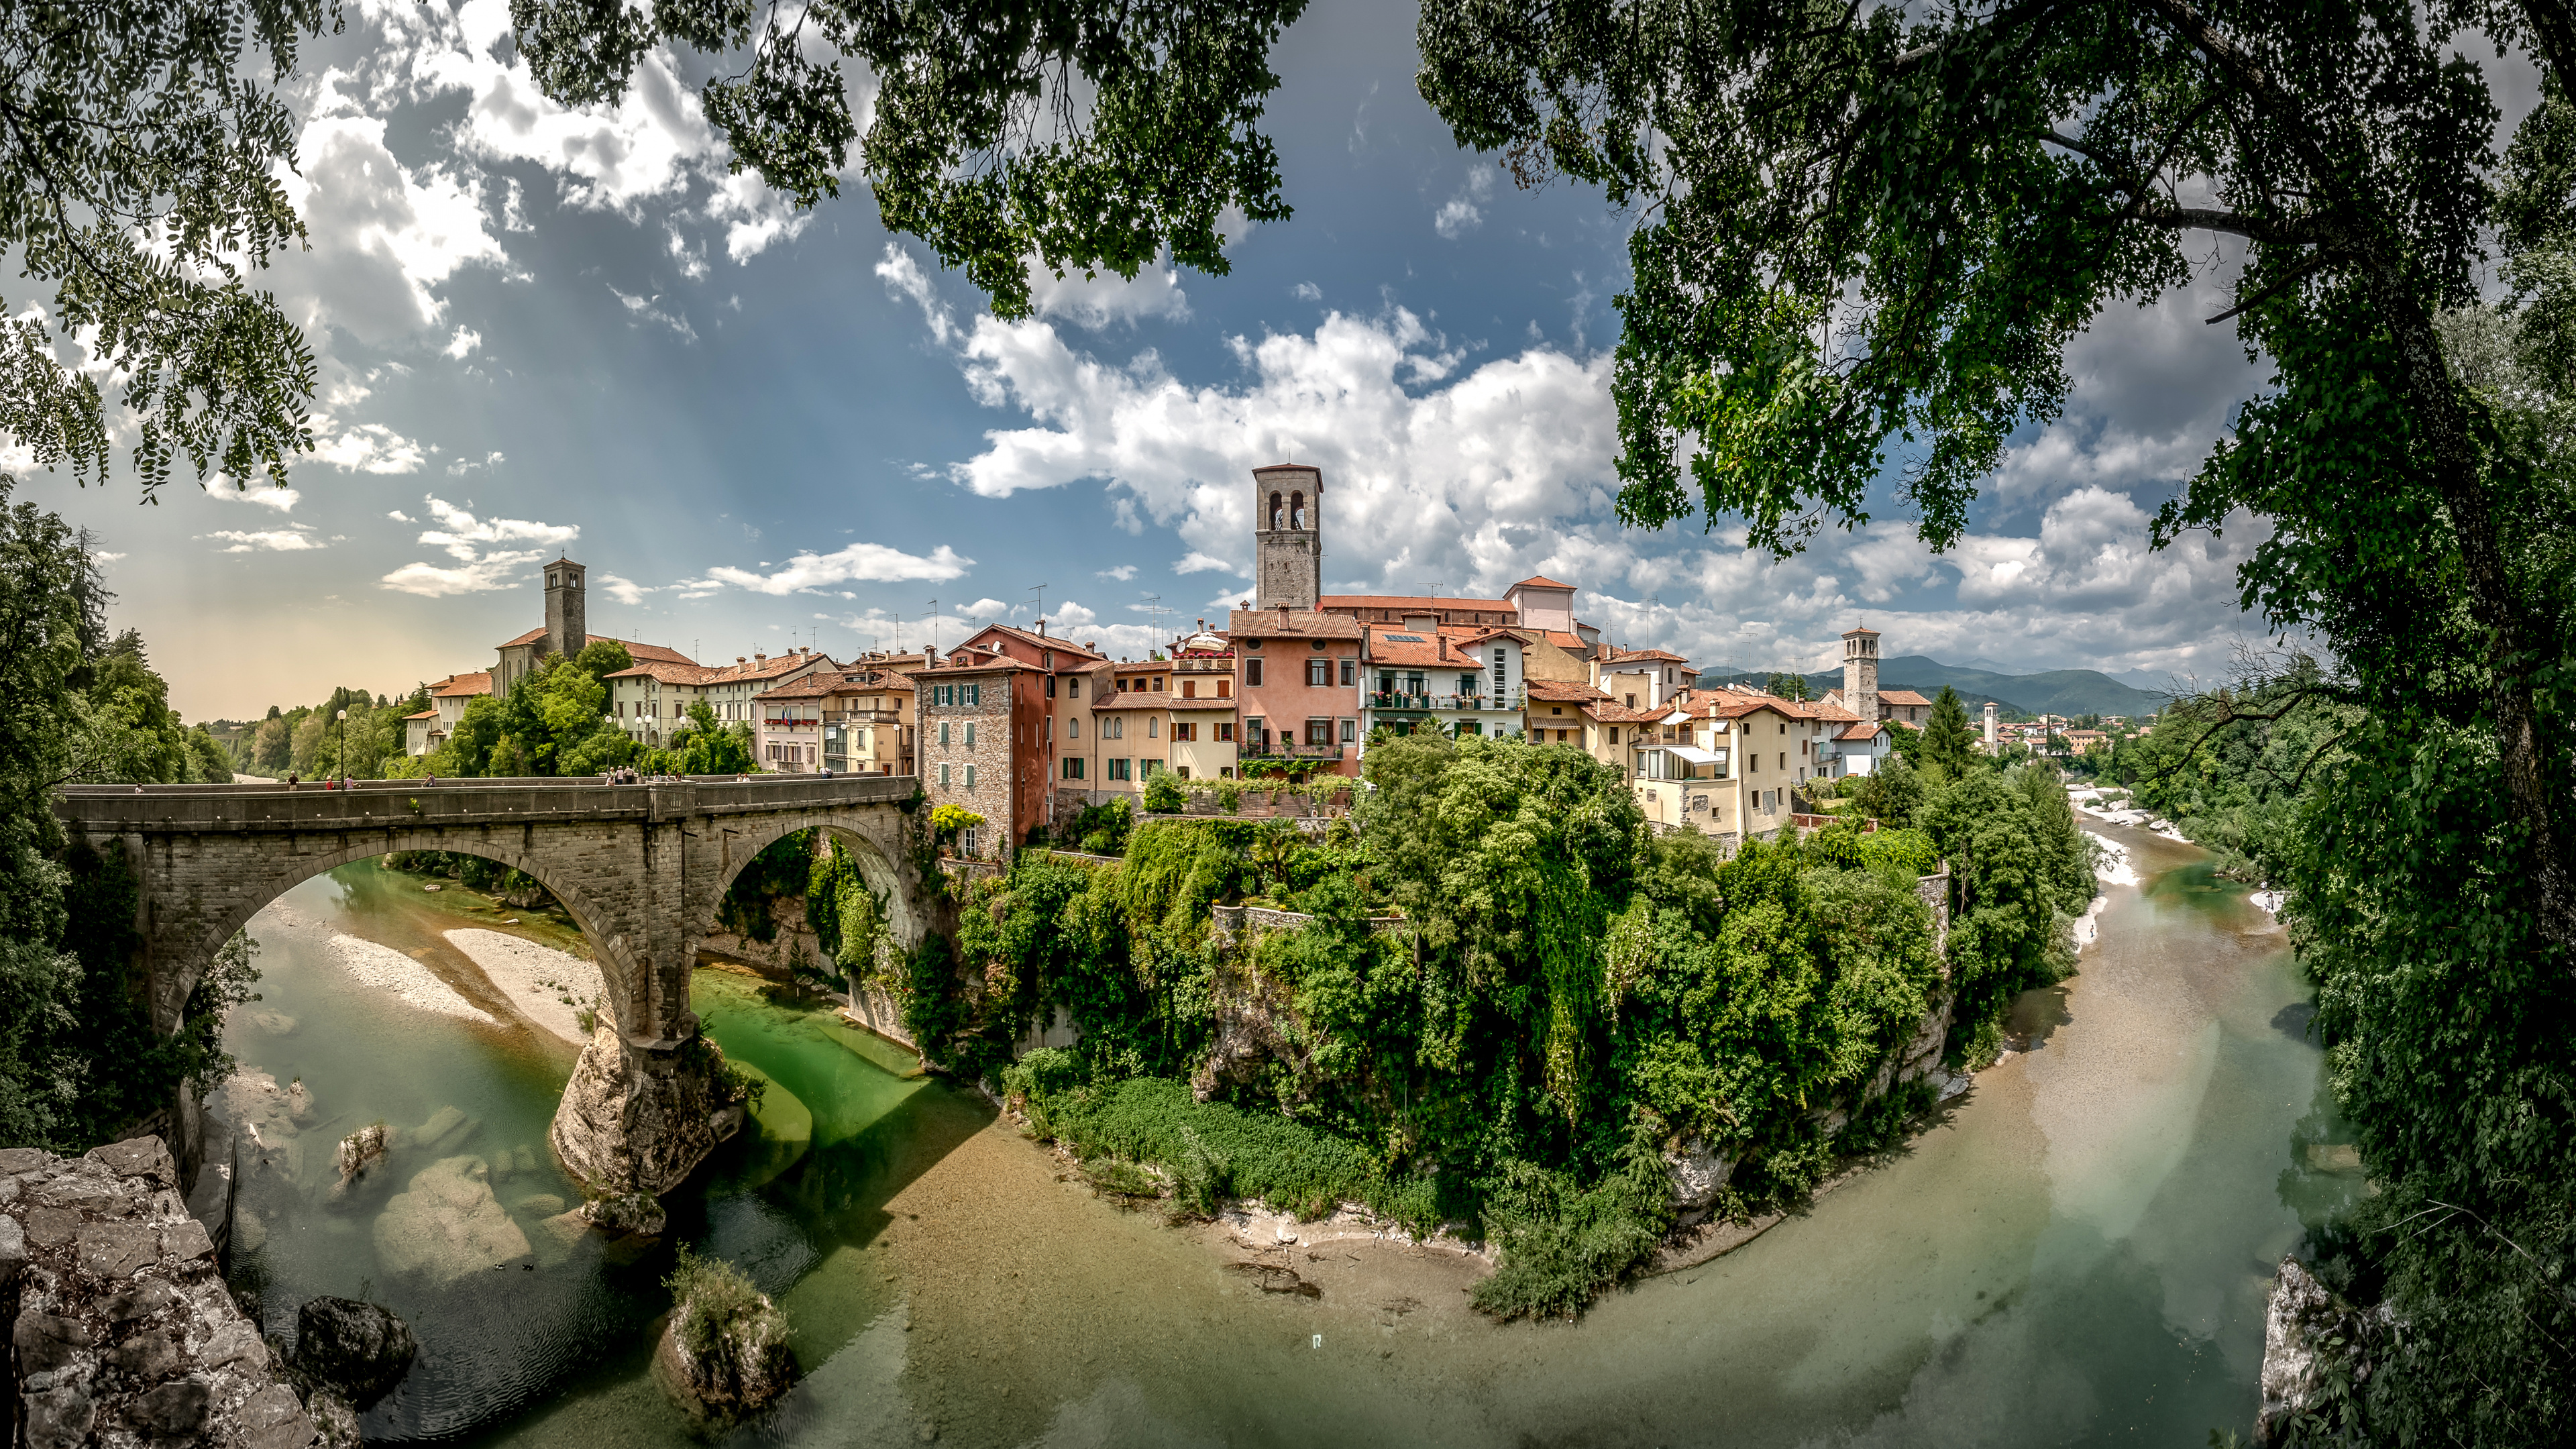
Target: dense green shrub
[(1212, 1150), (1568, 995)]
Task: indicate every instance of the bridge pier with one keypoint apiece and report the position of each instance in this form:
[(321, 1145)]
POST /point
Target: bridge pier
[(641, 868)]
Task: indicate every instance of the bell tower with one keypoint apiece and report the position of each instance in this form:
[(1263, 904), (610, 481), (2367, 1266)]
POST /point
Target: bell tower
[(1287, 536), (1860, 674), (567, 616)]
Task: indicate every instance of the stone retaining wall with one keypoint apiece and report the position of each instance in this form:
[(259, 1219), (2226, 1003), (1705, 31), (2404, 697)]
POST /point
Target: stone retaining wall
[(121, 1329), (1230, 921)]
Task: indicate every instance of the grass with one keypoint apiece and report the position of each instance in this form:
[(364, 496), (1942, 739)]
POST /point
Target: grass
[(1209, 1150)]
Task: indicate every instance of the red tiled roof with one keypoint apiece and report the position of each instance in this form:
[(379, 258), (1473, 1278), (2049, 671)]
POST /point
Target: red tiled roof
[(1290, 624), (1142, 699), (640, 652), (1862, 732), (1393, 644), (453, 685), (1042, 641), (1902, 696), (677, 670), (1622, 656), (424, 714), (1565, 691), (1539, 581), (1422, 602)]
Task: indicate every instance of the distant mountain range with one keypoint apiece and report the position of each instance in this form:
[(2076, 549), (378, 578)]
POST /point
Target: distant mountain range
[(2057, 691)]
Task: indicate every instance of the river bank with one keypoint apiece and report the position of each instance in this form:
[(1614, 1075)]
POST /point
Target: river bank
[(2074, 1249)]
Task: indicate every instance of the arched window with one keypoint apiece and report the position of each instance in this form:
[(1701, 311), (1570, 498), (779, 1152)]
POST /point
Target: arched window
[(1297, 509), (1277, 518)]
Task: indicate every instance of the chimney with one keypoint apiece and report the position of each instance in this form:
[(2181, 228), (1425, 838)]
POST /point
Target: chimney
[(763, 658), (1041, 628), (739, 661)]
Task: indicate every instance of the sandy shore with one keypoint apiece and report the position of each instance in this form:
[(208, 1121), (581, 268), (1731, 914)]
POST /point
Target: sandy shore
[(390, 970), (535, 978)]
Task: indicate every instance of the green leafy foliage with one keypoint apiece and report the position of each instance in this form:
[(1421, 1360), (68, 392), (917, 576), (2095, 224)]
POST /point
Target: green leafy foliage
[(1563, 996), (1164, 794), (79, 1060), (1091, 137), (720, 1312), (144, 175), (709, 746)]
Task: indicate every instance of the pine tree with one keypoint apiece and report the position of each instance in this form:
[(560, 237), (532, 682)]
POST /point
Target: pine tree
[(1946, 740)]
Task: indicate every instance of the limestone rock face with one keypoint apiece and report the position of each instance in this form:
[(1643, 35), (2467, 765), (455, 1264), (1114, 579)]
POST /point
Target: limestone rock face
[(448, 1224), (638, 1121), (124, 1333), (1256, 1023), (1697, 1171), (357, 1348), (2297, 1321)]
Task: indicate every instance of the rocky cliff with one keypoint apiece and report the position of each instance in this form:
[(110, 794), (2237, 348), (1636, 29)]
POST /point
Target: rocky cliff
[(121, 1329)]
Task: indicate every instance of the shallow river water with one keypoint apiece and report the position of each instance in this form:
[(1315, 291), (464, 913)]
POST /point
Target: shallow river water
[(2076, 1253)]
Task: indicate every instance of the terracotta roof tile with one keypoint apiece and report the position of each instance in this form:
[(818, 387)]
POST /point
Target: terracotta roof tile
[(424, 714), (1420, 602), (1290, 624), (1902, 696), (1862, 732), (1565, 691), (1622, 656), (1540, 581), (463, 684)]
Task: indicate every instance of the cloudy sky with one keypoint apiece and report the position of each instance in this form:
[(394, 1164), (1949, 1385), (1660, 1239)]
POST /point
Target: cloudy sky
[(547, 331)]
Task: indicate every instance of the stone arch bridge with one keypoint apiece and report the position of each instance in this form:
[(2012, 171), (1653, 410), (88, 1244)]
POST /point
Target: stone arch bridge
[(641, 869)]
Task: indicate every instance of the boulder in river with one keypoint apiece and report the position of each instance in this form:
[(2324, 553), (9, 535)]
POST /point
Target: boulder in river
[(357, 1348), (639, 1213), (639, 1118), (448, 1224), (361, 1150), (724, 1354), (441, 1128)]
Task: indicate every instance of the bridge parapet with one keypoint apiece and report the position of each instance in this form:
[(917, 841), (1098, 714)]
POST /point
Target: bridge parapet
[(378, 804)]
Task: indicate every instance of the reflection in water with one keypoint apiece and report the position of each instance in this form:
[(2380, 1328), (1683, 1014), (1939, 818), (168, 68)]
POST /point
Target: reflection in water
[(2077, 1253)]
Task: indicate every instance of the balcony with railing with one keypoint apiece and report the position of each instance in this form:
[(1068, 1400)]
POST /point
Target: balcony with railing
[(1457, 702)]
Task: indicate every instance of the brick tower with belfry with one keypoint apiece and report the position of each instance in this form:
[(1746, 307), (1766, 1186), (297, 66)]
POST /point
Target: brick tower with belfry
[(1287, 536), (1860, 673), (567, 612)]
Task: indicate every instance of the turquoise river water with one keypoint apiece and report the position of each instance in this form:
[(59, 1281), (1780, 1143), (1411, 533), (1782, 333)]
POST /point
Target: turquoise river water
[(2076, 1253)]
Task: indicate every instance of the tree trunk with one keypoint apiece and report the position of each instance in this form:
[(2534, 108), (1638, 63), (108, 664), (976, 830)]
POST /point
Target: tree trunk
[(2516, 653)]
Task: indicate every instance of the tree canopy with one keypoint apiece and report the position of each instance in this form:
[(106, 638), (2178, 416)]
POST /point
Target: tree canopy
[(139, 182), (1091, 136), (1868, 235)]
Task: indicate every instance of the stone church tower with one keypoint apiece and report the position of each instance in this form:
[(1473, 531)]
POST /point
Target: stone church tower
[(567, 616), (1860, 674), (1287, 536)]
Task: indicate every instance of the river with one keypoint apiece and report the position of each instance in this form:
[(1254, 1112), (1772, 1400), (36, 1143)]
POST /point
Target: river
[(2077, 1252)]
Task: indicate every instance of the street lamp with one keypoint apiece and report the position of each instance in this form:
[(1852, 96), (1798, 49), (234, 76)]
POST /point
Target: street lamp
[(340, 751)]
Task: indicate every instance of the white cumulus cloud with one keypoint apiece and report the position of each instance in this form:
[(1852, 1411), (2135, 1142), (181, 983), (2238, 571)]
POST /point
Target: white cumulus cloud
[(858, 562), (468, 540), (294, 538)]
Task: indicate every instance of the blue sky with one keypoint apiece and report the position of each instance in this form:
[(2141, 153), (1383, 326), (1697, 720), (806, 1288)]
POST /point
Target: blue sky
[(545, 330)]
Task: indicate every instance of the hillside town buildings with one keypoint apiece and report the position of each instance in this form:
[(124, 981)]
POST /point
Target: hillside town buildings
[(1021, 725)]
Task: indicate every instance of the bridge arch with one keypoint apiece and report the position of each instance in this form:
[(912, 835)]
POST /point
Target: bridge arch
[(876, 845), (640, 868), (173, 983)]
